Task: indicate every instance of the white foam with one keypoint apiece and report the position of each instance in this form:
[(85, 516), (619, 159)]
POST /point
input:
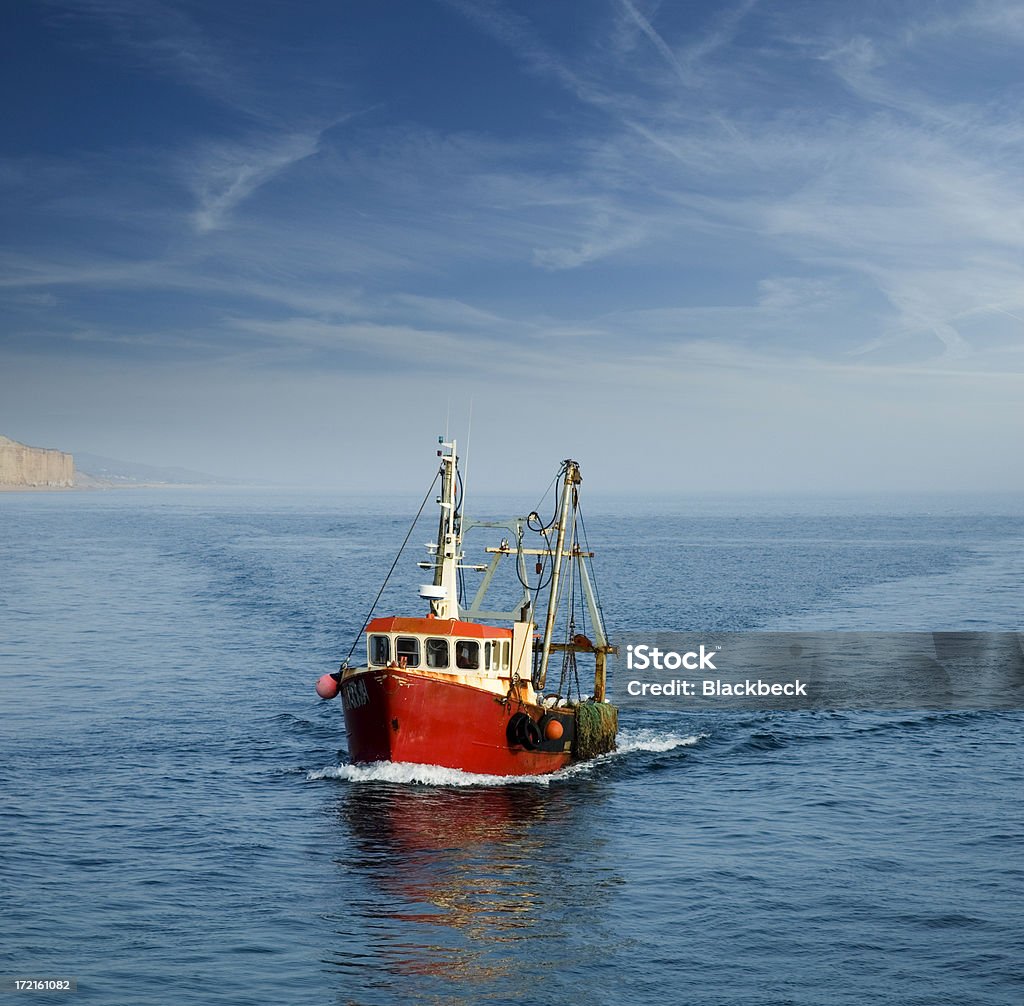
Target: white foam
[(655, 740), (427, 775), (408, 773)]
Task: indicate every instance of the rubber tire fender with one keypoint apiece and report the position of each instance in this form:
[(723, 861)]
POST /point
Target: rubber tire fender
[(524, 730)]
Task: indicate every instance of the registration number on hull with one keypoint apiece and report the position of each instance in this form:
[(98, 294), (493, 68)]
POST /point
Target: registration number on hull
[(354, 694)]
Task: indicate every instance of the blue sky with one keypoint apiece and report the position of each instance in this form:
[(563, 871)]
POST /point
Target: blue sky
[(723, 246)]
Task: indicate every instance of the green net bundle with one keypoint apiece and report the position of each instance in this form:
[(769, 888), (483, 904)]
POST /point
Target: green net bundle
[(597, 723)]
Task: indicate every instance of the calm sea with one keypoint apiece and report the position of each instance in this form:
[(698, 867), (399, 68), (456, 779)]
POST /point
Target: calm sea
[(178, 824)]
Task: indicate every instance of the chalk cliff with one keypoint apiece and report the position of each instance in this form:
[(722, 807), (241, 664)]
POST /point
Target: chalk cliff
[(34, 467)]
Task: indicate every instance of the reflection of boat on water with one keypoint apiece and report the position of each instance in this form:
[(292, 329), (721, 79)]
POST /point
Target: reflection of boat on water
[(454, 882), (411, 821), (451, 876), (450, 688)]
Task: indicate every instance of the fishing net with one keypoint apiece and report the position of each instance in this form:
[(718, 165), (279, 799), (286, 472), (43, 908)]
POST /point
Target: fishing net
[(597, 723)]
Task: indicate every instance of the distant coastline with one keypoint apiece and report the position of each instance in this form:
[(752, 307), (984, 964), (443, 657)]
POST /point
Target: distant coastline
[(24, 468)]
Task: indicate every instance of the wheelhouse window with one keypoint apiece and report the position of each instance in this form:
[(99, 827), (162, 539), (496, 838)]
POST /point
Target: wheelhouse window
[(407, 650), (467, 654), (506, 647), (380, 650), (437, 653)]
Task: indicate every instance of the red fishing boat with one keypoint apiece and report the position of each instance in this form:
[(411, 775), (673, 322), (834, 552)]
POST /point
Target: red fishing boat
[(465, 687)]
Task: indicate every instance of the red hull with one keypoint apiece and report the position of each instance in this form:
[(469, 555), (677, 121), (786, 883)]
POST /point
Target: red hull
[(399, 716)]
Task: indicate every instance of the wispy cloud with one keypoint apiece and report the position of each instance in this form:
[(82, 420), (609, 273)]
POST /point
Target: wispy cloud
[(660, 45), (516, 32), (224, 175), (159, 37), (817, 194), (688, 58)]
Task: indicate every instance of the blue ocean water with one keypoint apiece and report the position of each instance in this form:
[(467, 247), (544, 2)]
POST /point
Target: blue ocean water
[(178, 823)]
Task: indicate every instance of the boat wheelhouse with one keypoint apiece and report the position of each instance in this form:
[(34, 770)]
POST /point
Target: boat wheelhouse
[(446, 648)]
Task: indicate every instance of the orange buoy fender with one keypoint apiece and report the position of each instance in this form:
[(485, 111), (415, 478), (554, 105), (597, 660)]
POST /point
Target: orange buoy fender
[(327, 687), (553, 729)]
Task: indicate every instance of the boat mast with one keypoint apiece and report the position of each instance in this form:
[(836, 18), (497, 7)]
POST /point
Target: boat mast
[(444, 601), (572, 479)]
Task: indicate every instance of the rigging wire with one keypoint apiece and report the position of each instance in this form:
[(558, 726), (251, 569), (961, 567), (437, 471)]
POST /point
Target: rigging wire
[(540, 576), (593, 574), (554, 517), (541, 529), (544, 495), (469, 435), (457, 524), (369, 614)]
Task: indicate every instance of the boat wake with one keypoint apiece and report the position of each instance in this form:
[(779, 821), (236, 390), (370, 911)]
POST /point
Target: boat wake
[(407, 773), (655, 740)]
